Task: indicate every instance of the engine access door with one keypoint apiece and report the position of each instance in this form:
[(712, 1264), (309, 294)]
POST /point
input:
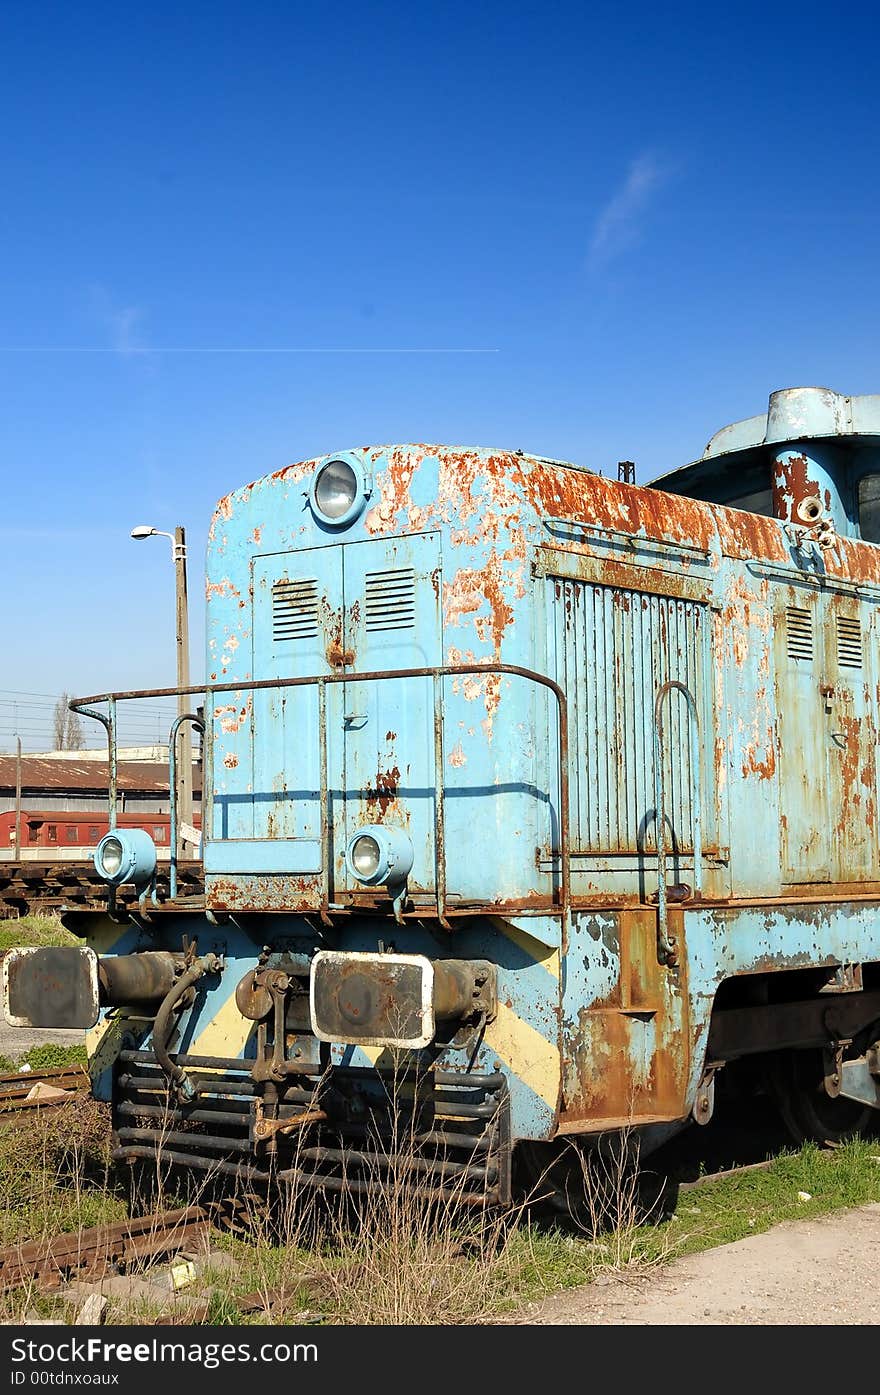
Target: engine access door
[(297, 633), (335, 610), (827, 737), (391, 588)]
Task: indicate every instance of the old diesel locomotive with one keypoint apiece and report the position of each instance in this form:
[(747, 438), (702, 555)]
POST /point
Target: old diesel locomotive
[(534, 801)]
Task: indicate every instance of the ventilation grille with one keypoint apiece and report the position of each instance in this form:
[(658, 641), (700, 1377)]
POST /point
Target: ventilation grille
[(294, 610), (391, 600), (849, 642), (799, 630)]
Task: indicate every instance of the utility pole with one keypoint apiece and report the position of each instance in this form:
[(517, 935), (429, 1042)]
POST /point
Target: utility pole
[(16, 852), (183, 795), (184, 736)]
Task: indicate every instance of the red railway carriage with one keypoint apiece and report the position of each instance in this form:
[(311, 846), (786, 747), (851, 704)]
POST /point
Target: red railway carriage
[(55, 829)]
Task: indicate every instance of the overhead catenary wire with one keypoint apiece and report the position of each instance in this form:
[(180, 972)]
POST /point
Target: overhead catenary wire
[(30, 715)]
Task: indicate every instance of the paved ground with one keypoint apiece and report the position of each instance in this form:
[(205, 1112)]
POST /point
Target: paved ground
[(15, 1041), (801, 1272)]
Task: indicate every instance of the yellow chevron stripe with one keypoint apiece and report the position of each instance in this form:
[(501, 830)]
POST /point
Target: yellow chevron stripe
[(104, 1041), (105, 939), (225, 1034), (100, 1059), (101, 1049), (528, 1054), (542, 954)]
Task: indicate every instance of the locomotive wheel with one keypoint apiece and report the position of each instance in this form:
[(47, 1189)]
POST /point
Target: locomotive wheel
[(555, 1175), (595, 1185), (796, 1079)]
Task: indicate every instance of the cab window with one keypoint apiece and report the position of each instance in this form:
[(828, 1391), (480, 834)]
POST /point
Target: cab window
[(869, 508)]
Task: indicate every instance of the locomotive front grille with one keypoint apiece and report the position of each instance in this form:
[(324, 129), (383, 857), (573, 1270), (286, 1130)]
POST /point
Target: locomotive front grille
[(213, 1134), (443, 1134)]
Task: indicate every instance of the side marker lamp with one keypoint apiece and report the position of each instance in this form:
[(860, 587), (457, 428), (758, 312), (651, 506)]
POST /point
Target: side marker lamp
[(379, 854), (126, 855)]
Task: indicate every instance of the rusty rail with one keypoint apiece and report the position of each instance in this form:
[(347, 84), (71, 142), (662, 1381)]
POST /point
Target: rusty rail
[(31, 885), (85, 707), (722, 1175), (88, 1253), (15, 1087)]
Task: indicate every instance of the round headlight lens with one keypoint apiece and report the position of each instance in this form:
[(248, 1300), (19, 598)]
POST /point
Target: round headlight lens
[(335, 489), (111, 857), (365, 856)]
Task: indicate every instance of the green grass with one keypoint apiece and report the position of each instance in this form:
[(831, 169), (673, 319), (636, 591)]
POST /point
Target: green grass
[(715, 1214), (55, 1171), (399, 1261), (47, 1056), (491, 1272), (734, 1207), (35, 930)]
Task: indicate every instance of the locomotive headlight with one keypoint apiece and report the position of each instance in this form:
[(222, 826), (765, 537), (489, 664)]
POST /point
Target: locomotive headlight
[(379, 853), (111, 856), (335, 489), (339, 491), (126, 855), (365, 856)]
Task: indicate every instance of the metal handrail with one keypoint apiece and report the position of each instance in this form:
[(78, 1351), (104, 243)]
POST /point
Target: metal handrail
[(665, 946), (109, 723), (84, 706), (172, 787)]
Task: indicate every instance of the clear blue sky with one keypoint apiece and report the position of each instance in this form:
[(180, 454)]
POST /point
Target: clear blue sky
[(226, 228)]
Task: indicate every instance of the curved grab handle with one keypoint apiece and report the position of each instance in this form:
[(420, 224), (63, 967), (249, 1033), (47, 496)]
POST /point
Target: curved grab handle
[(665, 946)]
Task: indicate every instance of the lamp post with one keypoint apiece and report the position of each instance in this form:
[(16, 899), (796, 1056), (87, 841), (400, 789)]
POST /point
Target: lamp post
[(184, 763)]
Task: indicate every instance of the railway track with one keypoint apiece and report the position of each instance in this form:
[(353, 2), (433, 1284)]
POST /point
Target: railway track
[(709, 1177), (94, 1252), (32, 887), (15, 1088)]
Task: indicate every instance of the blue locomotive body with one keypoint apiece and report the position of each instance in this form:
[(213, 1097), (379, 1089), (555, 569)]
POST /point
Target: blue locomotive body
[(544, 794)]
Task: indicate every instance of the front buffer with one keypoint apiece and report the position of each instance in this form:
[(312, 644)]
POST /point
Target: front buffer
[(330, 1069)]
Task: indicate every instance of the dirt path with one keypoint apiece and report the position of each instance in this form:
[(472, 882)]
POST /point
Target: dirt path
[(800, 1272)]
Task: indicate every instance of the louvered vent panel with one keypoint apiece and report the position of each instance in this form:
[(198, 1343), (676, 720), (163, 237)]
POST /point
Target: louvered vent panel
[(849, 642), (391, 600), (294, 610), (614, 651), (799, 632)]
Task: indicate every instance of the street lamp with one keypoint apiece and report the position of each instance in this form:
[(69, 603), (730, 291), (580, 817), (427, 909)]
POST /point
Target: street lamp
[(184, 764)]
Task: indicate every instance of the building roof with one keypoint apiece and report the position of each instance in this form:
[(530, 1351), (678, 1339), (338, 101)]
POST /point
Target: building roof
[(43, 774)]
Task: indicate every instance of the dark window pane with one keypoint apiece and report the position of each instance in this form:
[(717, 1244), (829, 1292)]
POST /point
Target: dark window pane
[(869, 508), (759, 502)]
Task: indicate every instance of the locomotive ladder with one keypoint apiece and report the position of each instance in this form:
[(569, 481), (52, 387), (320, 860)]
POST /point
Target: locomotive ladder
[(665, 946)]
